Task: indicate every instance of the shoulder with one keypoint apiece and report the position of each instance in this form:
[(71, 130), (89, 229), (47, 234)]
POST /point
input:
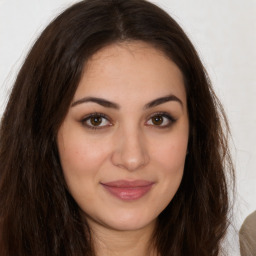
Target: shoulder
[(247, 236), (249, 224)]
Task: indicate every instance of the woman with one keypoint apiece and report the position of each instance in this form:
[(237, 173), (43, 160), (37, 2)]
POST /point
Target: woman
[(112, 140)]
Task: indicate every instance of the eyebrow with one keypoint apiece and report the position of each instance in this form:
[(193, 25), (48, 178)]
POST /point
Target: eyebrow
[(109, 104), (162, 100), (100, 101)]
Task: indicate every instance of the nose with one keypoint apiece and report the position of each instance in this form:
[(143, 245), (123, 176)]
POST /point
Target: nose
[(130, 150)]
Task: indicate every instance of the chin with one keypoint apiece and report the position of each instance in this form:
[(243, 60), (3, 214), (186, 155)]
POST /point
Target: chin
[(129, 222)]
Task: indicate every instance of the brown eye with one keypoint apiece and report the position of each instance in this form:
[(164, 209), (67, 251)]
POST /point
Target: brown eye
[(157, 120), (95, 120), (160, 120)]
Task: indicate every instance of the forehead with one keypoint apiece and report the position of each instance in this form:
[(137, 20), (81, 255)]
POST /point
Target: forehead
[(130, 68)]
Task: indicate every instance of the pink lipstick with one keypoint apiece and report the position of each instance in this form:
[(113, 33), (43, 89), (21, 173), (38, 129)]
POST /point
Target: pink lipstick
[(128, 190)]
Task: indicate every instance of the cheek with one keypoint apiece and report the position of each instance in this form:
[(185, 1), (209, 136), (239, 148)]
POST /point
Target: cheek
[(81, 159), (172, 161), (169, 161), (171, 154)]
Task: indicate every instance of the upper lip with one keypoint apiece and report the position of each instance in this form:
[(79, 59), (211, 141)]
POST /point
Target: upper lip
[(128, 184)]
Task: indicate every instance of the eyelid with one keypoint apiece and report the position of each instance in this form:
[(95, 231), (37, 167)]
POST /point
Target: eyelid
[(95, 114), (165, 115)]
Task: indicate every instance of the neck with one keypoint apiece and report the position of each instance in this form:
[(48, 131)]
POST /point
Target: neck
[(110, 242)]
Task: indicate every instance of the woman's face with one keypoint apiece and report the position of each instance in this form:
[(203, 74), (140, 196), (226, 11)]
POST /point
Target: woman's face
[(123, 142)]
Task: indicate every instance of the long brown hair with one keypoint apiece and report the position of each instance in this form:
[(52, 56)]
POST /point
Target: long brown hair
[(38, 216)]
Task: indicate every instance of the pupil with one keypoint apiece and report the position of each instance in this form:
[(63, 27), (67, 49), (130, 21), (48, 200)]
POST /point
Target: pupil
[(96, 121), (157, 120)]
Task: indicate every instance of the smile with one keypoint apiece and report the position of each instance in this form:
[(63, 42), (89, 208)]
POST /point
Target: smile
[(128, 190)]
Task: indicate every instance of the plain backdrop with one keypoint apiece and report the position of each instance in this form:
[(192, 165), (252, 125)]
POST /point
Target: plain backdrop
[(223, 32)]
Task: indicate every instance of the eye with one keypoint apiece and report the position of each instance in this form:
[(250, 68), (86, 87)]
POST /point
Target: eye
[(161, 120), (96, 121)]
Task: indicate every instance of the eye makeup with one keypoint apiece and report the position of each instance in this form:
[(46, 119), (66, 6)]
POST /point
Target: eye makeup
[(100, 121), (160, 120), (96, 121)]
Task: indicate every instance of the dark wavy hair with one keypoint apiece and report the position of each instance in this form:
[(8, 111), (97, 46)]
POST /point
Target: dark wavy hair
[(38, 216)]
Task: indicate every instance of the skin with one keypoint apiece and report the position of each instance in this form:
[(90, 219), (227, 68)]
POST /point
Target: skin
[(132, 141)]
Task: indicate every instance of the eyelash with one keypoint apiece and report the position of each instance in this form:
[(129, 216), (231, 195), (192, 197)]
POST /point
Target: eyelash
[(164, 115), (96, 115)]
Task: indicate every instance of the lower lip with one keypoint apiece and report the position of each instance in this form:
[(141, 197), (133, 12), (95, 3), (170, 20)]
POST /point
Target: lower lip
[(128, 193)]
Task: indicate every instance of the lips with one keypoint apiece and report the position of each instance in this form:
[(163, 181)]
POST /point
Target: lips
[(128, 190)]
